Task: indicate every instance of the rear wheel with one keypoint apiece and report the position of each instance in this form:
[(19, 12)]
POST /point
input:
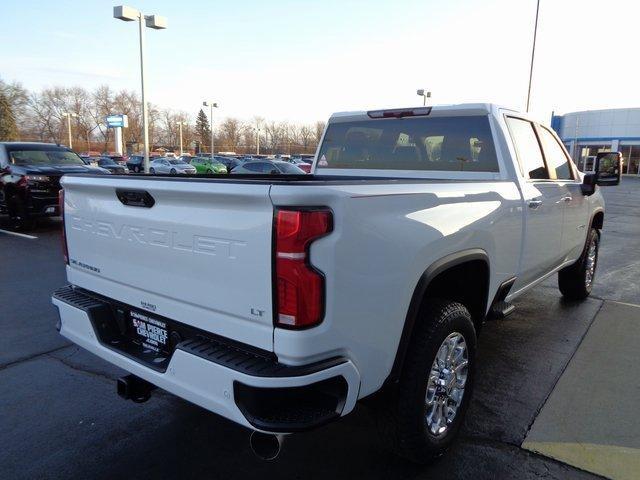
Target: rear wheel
[(576, 281), (18, 215), (423, 415), (172, 171), (152, 170)]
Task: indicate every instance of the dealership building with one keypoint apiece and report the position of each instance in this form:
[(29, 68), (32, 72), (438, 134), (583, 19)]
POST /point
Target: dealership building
[(592, 131)]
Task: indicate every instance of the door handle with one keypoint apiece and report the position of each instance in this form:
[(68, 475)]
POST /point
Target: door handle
[(535, 204), (566, 199)]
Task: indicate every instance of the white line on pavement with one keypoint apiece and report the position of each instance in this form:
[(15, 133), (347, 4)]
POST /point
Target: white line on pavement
[(23, 235)]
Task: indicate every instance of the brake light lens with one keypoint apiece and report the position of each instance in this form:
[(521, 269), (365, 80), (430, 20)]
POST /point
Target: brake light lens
[(300, 287), (399, 112), (63, 237)]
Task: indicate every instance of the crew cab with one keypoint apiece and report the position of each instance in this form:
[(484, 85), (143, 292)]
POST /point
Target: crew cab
[(282, 301)]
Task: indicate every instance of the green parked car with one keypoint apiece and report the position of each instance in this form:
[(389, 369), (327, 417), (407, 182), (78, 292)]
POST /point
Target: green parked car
[(206, 165)]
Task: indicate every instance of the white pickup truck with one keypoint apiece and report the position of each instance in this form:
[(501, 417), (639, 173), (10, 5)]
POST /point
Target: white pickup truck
[(279, 302)]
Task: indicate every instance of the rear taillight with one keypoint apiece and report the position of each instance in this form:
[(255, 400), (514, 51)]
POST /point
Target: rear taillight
[(65, 251), (300, 287)]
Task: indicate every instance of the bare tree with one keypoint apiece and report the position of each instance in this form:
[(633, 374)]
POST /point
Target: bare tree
[(18, 98), (293, 138), (230, 132), (102, 104), (42, 115), (275, 134), (128, 103), (319, 130), (306, 136)]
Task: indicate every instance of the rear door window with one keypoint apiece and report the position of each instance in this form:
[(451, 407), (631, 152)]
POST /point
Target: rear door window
[(527, 148), (254, 167), (555, 155), (418, 143)]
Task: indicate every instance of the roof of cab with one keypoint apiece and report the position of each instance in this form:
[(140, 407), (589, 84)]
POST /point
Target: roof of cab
[(437, 110), (49, 144)]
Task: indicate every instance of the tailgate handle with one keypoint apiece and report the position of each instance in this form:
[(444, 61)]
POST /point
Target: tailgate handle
[(135, 198)]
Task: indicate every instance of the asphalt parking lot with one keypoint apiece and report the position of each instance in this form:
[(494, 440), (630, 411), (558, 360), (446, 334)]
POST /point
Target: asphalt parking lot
[(61, 417)]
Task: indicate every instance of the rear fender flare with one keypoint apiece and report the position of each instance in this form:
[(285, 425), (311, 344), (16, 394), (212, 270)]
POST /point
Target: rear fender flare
[(435, 269)]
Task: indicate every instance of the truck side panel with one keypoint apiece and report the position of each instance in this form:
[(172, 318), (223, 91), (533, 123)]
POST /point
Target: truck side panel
[(383, 241)]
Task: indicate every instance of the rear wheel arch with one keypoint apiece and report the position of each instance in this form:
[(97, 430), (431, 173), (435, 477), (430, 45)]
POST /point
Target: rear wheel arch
[(440, 280), (597, 221)]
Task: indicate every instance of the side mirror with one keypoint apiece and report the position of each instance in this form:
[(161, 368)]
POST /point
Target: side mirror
[(608, 170)]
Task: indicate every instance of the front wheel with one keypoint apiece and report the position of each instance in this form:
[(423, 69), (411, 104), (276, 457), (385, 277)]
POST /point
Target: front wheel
[(152, 171), (422, 416), (172, 171), (576, 281)]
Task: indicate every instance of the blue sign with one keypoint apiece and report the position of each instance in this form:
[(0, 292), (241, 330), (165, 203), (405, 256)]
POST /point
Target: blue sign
[(115, 121)]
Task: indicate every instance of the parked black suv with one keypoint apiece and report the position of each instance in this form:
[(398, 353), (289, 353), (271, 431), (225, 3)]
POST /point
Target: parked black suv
[(109, 164), (135, 163), (30, 178)]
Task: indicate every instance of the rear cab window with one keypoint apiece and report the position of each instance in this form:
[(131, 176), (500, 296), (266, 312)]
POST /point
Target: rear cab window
[(422, 143)]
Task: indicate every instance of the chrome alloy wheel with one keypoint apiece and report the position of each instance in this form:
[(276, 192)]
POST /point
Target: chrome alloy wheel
[(591, 263), (447, 380)]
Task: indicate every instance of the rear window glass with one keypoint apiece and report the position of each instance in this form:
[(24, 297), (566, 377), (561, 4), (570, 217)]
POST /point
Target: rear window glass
[(288, 168), (438, 144)]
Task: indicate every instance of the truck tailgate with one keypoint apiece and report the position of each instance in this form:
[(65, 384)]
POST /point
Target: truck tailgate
[(201, 255)]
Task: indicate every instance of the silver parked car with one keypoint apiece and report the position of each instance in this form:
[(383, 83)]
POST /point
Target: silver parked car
[(170, 165), (268, 167)]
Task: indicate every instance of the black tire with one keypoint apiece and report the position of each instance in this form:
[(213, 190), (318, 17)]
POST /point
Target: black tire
[(172, 171), (403, 415), (152, 171), (136, 169), (576, 281), (18, 215)]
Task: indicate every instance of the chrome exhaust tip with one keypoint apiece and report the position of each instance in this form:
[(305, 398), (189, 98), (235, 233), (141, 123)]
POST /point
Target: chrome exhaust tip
[(266, 446)]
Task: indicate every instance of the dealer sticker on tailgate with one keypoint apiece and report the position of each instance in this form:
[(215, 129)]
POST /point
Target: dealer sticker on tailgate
[(152, 332)]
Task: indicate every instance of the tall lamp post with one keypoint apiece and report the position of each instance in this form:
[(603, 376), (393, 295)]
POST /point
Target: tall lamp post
[(129, 14), (180, 124), (257, 129), (533, 53), (212, 105), (424, 95), (69, 115)]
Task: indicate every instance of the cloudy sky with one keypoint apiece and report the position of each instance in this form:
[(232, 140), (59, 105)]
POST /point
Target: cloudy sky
[(301, 60)]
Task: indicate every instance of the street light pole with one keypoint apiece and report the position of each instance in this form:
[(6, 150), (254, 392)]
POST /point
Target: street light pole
[(533, 53), (212, 149), (424, 95), (69, 115), (145, 113), (129, 14), (257, 140), (212, 105), (180, 125)]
